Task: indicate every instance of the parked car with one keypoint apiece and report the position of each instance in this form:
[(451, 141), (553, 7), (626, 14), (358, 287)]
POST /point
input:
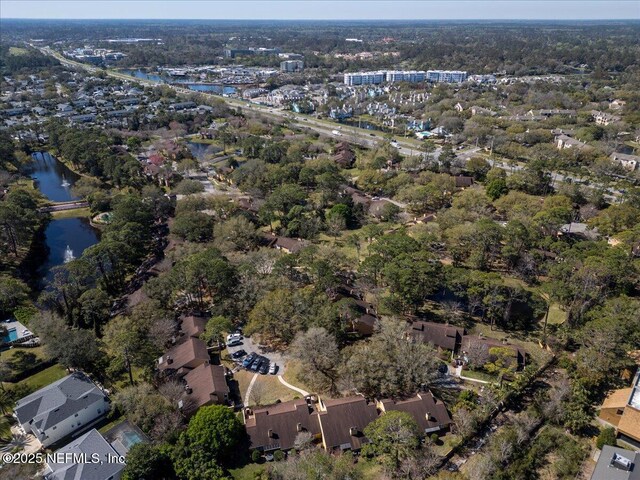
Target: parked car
[(273, 368), (256, 364), (233, 336), (264, 368), (234, 342), (249, 359), (238, 354)]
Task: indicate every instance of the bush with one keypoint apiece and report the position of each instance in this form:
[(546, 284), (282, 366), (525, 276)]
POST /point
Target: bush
[(256, 456), (607, 436), (434, 437), (278, 455), (188, 187)]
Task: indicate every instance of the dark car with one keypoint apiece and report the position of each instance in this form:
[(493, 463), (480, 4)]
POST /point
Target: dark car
[(256, 364), (238, 354), (264, 367), (249, 360)]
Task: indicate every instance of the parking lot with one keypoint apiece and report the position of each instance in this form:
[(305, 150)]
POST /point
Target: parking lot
[(248, 345)]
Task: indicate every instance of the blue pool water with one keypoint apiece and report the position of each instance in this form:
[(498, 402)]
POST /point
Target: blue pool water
[(129, 439), (11, 336)]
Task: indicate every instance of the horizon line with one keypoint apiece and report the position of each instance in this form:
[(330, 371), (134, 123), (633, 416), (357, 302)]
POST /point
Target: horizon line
[(345, 19)]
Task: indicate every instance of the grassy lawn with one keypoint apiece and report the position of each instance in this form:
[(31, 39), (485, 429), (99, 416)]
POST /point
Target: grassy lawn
[(17, 51), (243, 378), (248, 472), (532, 347), (43, 378), (479, 375), (108, 426), (20, 359), (446, 443), (292, 375), (556, 315), (78, 212), (369, 469), (273, 390)]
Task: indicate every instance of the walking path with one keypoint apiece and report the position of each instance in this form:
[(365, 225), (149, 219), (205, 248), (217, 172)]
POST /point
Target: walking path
[(246, 396), (458, 373), (288, 385)]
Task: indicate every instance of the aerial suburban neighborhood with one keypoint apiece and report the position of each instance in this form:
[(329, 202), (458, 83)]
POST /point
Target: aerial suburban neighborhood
[(285, 249)]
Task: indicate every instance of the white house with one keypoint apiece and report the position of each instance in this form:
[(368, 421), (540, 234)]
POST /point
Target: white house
[(62, 408)]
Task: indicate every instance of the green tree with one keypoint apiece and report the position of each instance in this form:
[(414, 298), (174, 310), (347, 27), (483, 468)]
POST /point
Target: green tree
[(215, 329), (146, 461), (193, 226), (394, 436), (211, 441), (13, 292)]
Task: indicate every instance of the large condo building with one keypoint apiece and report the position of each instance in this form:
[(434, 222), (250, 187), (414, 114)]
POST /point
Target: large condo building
[(364, 78), (446, 76), (406, 76), (374, 78)]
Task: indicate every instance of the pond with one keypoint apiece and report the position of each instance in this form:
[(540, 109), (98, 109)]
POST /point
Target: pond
[(52, 177), (202, 151), (189, 83), (64, 238)]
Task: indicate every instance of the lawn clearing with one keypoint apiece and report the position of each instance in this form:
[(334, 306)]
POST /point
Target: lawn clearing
[(43, 378)]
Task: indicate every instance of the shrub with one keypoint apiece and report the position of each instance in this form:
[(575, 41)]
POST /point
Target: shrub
[(607, 436), (278, 455), (256, 456)]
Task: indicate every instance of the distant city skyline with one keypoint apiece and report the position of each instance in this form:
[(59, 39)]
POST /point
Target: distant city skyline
[(324, 9)]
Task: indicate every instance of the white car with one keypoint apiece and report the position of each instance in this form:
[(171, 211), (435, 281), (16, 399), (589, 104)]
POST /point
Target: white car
[(233, 337), (273, 368)]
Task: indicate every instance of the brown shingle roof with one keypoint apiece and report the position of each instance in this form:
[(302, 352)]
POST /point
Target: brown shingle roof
[(440, 335), (618, 398), (276, 426), (419, 407), (207, 385), (184, 357), (192, 326), (342, 422), (629, 424)]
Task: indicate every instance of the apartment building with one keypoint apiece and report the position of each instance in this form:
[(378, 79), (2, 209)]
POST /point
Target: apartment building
[(446, 76)]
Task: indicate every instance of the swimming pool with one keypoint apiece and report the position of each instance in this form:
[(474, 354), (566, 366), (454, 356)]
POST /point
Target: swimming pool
[(11, 336), (130, 438)]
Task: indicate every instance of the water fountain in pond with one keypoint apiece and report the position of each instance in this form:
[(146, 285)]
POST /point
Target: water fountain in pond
[(68, 254), (65, 182)]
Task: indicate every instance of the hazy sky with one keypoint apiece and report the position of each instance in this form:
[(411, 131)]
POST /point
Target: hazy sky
[(323, 9)]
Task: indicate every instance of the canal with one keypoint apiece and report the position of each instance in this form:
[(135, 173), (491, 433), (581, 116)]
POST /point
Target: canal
[(64, 238)]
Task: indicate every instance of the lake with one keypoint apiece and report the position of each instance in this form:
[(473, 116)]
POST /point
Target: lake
[(189, 83), (53, 178), (65, 238)]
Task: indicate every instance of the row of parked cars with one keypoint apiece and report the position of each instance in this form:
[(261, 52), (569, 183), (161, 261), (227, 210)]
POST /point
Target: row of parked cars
[(252, 361)]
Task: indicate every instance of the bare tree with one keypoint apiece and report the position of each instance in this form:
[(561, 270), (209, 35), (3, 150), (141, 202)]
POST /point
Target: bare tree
[(303, 441)]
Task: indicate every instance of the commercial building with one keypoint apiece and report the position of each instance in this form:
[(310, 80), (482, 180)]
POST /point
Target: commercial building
[(291, 66), (446, 76)]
